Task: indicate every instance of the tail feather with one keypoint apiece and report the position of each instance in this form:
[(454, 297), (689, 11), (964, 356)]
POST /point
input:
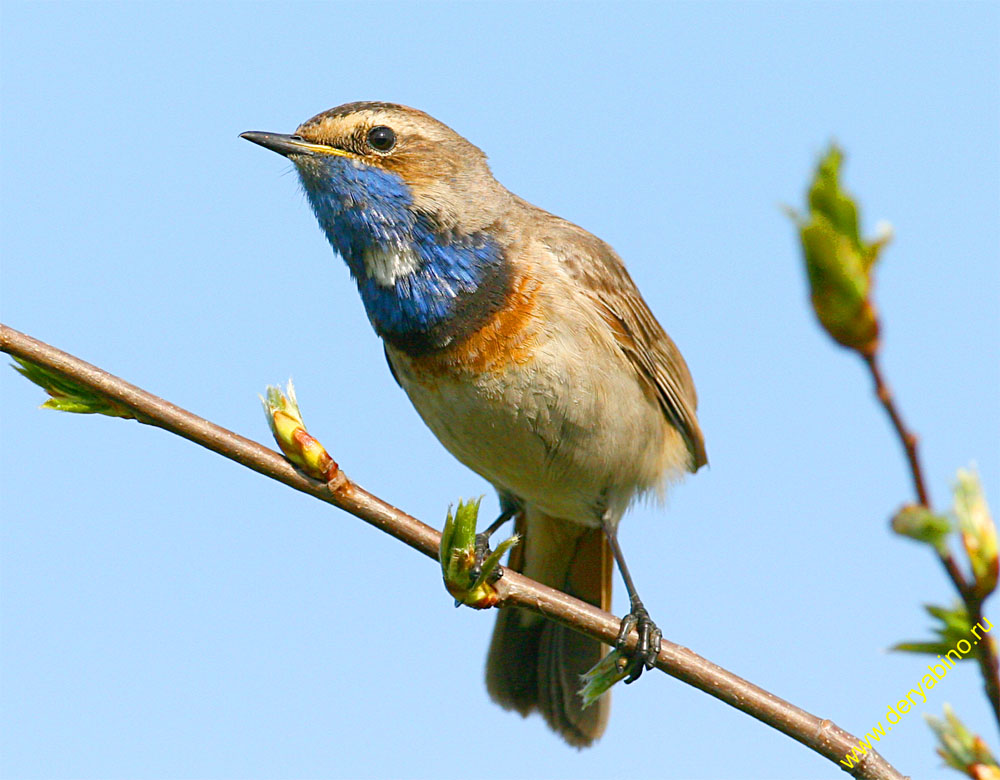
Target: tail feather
[(535, 664), (512, 663)]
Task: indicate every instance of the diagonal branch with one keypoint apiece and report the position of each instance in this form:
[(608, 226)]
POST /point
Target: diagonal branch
[(973, 599), (820, 735)]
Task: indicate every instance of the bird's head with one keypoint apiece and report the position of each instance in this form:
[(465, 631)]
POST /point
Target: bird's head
[(385, 157), (412, 208)]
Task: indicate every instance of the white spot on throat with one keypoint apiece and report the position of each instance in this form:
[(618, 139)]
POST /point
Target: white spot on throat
[(387, 264)]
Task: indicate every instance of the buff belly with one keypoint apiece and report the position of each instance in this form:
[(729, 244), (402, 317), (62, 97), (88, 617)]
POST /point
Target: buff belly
[(571, 435)]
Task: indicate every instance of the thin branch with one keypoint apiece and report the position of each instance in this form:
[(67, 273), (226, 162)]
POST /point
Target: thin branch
[(987, 655), (906, 436), (987, 658), (822, 736)]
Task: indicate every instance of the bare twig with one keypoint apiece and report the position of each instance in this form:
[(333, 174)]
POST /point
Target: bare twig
[(987, 653), (820, 735), (987, 658), (906, 436)]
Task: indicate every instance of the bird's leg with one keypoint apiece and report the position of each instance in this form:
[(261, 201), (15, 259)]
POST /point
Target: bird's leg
[(648, 645), (482, 548)]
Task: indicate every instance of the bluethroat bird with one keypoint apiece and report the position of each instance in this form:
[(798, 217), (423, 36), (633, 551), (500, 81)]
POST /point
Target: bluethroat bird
[(527, 349)]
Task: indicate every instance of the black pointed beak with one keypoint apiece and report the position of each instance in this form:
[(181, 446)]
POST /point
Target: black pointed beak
[(282, 144)]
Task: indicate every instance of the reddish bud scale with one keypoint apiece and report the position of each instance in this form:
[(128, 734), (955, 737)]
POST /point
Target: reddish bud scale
[(984, 772), (301, 448), (489, 597), (315, 455)]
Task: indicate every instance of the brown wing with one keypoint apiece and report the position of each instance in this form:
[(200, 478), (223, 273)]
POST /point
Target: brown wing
[(599, 270)]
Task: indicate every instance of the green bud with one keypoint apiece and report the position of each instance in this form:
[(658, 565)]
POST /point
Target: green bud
[(457, 554), (961, 749), (979, 534), (285, 421), (838, 261), (919, 523)]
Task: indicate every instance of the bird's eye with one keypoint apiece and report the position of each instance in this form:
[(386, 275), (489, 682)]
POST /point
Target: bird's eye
[(381, 138)]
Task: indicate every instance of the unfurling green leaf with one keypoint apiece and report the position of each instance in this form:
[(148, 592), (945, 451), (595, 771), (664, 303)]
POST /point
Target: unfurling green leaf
[(961, 749), (838, 260), (957, 638), (923, 648), (69, 396), (954, 627), (599, 679), (955, 621)]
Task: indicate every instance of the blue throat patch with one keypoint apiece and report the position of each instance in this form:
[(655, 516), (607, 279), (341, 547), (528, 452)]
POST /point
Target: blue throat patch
[(457, 281)]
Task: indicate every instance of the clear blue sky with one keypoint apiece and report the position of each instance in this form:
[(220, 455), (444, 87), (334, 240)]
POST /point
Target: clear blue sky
[(168, 614)]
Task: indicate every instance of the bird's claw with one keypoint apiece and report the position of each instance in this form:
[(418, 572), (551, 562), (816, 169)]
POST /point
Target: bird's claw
[(481, 552), (647, 647)]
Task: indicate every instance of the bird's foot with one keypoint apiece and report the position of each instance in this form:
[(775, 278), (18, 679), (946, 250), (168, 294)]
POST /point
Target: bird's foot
[(647, 648), (620, 664), (470, 569), (481, 553)]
